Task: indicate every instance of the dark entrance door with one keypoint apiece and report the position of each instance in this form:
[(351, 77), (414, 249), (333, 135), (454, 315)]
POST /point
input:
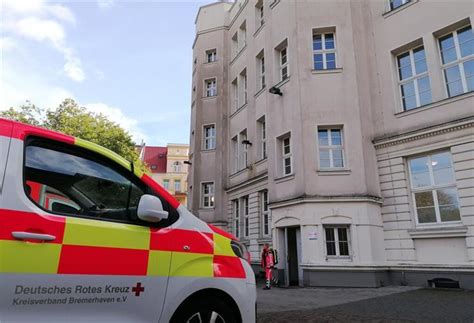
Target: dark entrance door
[(292, 256)]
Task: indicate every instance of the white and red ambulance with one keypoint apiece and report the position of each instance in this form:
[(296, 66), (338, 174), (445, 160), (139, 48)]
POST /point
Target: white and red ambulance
[(87, 237)]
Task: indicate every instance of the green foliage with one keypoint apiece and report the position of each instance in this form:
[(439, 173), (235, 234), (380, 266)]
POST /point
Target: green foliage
[(71, 119)]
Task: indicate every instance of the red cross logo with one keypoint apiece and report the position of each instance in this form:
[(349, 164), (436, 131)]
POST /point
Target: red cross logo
[(138, 289)]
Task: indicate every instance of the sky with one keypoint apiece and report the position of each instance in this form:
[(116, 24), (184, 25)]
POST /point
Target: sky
[(130, 60)]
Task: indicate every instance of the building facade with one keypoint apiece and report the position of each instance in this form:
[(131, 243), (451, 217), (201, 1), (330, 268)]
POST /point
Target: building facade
[(340, 131), (168, 167)]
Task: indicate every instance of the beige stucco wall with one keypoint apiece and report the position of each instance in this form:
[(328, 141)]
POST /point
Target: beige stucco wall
[(361, 95)]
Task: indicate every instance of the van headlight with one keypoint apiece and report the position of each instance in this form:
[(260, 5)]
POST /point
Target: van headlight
[(240, 250)]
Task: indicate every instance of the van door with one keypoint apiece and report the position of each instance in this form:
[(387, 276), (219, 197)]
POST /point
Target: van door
[(87, 260)]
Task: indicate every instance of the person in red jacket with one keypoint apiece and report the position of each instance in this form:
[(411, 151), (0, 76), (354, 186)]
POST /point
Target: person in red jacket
[(268, 262)]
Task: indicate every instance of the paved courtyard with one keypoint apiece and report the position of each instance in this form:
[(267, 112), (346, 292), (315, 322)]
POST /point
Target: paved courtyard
[(387, 304)]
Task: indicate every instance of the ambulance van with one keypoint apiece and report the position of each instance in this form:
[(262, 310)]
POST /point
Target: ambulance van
[(85, 236)]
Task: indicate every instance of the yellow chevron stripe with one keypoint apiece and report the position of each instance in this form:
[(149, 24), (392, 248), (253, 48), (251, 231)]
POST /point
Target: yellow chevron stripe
[(222, 246), (192, 265), (85, 232), (104, 152), (24, 257), (159, 263)]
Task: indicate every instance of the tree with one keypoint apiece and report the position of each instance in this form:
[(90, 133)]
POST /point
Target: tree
[(71, 119)]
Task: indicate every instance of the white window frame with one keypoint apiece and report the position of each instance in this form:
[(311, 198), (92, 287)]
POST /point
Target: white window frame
[(236, 217), (209, 142), (259, 15), (210, 195), (330, 147), (262, 137), (167, 185), (459, 60), (243, 77), (235, 94), (325, 51), (285, 156), (337, 240), (246, 215), (404, 2), (177, 188), (433, 188), (176, 167), (235, 151), (242, 38), (261, 71), (235, 44), (210, 87), (213, 55), (284, 65), (414, 78), (243, 151), (265, 212)]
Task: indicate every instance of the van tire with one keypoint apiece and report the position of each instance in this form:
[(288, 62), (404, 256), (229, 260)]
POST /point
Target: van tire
[(204, 309)]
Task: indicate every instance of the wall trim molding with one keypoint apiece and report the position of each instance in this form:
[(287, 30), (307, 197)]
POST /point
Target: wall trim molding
[(424, 133)]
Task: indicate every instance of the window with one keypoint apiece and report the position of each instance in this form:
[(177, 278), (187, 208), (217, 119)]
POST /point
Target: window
[(331, 152), (242, 35), (337, 241), (68, 181), (413, 78), (245, 210), (284, 73), (211, 55), (324, 51), (457, 57), (166, 184), (209, 137), (207, 195), (235, 95), (240, 152), (176, 167), (261, 70), (177, 185), (434, 188), (211, 87), (243, 151), (286, 157), (259, 14), (236, 218), (235, 44), (265, 213), (394, 4), (243, 87), (262, 131)]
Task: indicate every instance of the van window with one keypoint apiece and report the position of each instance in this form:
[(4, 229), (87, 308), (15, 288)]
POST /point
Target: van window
[(75, 184)]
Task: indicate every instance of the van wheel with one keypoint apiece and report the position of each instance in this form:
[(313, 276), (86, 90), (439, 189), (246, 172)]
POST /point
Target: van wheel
[(210, 310)]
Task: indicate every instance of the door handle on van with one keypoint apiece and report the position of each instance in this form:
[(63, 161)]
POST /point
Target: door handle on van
[(32, 236)]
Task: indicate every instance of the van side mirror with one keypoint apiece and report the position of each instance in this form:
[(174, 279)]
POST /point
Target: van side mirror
[(150, 209)]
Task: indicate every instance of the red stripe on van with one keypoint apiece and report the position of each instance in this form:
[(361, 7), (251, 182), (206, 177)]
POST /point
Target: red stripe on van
[(84, 260), (11, 220), (228, 267), (6, 127), (182, 241), (21, 131)]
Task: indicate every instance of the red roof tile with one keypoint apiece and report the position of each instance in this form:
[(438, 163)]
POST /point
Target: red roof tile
[(155, 158)]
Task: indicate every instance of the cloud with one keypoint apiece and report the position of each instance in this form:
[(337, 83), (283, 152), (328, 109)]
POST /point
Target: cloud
[(6, 44), (116, 115), (105, 4), (41, 30), (41, 22)]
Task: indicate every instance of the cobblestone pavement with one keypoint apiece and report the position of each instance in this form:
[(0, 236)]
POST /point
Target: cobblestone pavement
[(387, 304)]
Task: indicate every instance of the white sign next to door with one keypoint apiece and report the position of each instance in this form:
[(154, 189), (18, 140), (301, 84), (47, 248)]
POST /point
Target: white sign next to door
[(313, 235)]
